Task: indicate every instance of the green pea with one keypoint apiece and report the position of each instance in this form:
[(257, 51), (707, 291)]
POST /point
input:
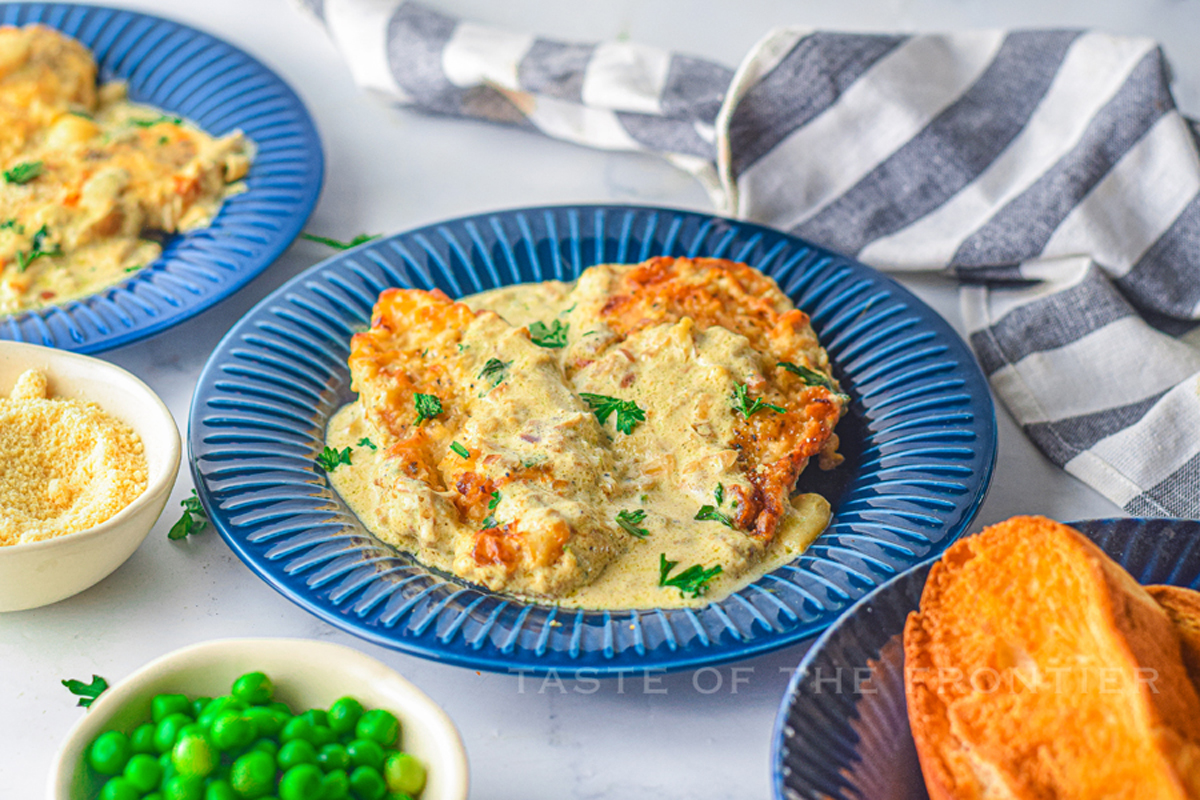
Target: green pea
[(164, 705), (199, 704), (367, 783), (220, 704), (143, 771), (253, 774), (267, 721), (343, 714), (142, 739), (323, 735), (167, 731), (365, 753), (277, 705), (335, 785), (297, 728), (183, 788), (333, 756), (317, 716), (120, 789), (302, 782), (404, 773), (153, 796), (220, 790), (268, 746), (254, 688), (378, 726), (296, 752), (109, 752), (231, 731), (194, 756)]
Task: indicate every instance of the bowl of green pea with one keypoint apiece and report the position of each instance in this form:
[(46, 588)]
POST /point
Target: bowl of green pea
[(262, 719)]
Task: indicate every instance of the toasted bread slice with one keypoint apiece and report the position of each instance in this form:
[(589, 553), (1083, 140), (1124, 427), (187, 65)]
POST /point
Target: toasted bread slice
[(1038, 668), (1183, 607)]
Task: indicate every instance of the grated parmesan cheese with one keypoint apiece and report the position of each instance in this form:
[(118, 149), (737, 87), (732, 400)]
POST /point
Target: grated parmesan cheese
[(65, 465)]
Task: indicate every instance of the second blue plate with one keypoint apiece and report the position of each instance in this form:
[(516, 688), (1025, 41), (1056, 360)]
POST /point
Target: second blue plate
[(919, 441)]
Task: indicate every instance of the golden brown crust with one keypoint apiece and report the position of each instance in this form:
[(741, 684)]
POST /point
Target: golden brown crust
[(1183, 607), (1033, 660)]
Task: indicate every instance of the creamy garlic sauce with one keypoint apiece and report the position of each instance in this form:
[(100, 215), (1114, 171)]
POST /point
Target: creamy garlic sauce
[(678, 373)]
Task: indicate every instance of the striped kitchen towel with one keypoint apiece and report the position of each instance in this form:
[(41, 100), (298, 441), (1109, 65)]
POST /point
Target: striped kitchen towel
[(1048, 171)]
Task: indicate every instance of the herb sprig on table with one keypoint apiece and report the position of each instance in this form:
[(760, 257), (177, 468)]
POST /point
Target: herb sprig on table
[(193, 520), (87, 692), (337, 244), (692, 582), (628, 412)]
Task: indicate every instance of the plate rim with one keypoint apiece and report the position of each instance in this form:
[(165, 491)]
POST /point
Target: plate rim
[(514, 662), (33, 326)]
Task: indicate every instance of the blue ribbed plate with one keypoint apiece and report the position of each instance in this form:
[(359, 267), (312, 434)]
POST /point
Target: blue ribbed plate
[(843, 737), (920, 442), (221, 89)]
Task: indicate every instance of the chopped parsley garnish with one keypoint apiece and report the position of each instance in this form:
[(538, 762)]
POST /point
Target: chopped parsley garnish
[(86, 692), (566, 311), (490, 520), (336, 244), (628, 412), (330, 459), (134, 268), (553, 335), (629, 521), (24, 259), (692, 582), (747, 407), (12, 224), (495, 371), (150, 123), (713, 513), (194, 520), (23, 172), (365, 442), (428, 406), (461, 451), (811, 377)]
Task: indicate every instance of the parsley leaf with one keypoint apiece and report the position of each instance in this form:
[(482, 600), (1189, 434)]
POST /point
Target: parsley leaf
[(87, 692), (741, 402), (628, 412), (490, 520), (336, 244), (365, 442), (330, 459), (461, 451), (193, 520), (24, 259), (692, 582), (23, 172), (150, 123), (495, 371), (629, 521), (712, 514), (812, 377), (553, 335), (428, 406)]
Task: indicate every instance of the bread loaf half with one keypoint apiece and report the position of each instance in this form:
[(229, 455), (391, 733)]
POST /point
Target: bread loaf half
[(1038, 668)]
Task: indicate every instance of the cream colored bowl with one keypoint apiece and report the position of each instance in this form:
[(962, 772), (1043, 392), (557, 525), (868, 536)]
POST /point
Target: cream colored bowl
[(306, 674), (41, 573)]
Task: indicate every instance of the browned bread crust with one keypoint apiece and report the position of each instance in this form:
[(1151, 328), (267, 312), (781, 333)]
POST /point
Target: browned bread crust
[(1038, 668), (1183, 607)]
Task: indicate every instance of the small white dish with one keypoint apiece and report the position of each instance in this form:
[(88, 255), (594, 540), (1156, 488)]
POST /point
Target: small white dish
[(306, 674), (40, 573)]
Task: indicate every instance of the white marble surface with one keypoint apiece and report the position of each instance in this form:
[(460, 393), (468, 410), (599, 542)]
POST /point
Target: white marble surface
[(387, 170)]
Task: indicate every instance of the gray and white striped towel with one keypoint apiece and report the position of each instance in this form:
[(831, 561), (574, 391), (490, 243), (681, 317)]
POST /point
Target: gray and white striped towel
[(1048, 170)]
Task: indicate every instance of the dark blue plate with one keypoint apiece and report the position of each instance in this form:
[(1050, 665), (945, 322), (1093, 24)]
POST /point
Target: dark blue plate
[(221, 89), (838, 737), (920, 442)]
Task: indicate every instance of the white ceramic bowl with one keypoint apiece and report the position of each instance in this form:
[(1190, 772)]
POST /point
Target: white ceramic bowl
[(41, 573), (306, 674)]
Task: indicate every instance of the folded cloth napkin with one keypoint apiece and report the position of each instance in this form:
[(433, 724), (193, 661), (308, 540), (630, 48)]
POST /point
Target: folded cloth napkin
[(1048, 171)]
